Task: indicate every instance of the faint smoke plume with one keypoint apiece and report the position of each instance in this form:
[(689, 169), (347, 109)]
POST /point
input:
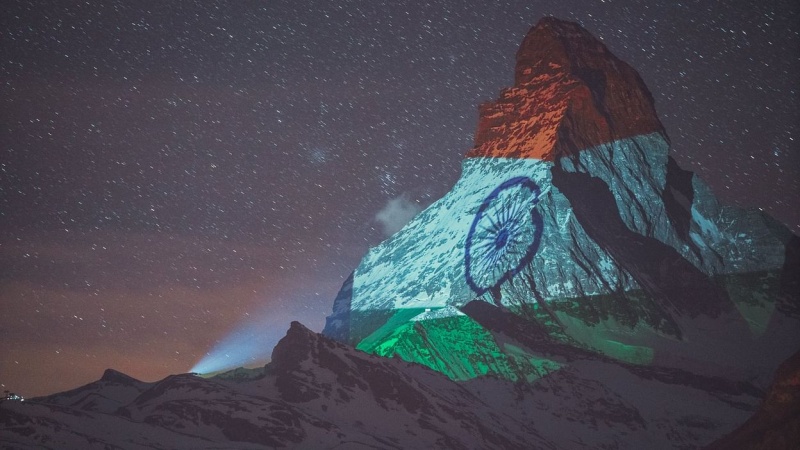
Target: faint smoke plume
[(397, 212)]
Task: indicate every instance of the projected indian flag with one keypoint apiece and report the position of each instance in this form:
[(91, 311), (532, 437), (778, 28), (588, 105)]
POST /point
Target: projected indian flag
[(569, 212)]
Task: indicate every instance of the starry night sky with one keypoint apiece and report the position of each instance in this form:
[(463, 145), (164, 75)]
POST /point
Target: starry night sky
[(173, 171)]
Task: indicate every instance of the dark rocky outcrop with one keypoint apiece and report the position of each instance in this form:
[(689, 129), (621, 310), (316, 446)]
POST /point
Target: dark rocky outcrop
[(776, 424)]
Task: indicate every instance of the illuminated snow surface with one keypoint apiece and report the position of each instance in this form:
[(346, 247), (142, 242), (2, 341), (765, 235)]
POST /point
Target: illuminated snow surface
[(422, 266), (475, 241)]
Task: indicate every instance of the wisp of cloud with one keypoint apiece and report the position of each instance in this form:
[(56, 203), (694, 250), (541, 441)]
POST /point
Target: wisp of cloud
[(396, 213)]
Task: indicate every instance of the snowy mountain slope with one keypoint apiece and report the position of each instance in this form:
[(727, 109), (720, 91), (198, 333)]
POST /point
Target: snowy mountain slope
[(315, 394), (318, 393)]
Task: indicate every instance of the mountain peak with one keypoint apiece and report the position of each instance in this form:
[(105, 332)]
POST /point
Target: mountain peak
[(570, 93), (293, 348), (557, 44), (115, 376)]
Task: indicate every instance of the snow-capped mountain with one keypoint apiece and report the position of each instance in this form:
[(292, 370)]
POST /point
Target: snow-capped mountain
[(571, 214), (575, 289)]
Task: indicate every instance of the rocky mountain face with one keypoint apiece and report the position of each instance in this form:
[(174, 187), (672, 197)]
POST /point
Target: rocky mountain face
[(575, 289), (776, 424), (571, 214)]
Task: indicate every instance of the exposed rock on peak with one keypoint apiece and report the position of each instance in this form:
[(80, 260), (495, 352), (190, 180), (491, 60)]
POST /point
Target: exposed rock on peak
[(570, 93), (292, 348), (113, 376), (777, 422)]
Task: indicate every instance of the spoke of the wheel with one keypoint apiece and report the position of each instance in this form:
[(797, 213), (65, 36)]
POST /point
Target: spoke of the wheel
[(488, 243), (505, 210), (490, 229)]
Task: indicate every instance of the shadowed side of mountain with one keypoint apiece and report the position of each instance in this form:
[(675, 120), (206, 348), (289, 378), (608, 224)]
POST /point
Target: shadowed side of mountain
[(664, 274), (776, 424)]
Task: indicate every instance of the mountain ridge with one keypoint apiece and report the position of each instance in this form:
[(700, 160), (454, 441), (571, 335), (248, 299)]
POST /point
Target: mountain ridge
[(319, 393)]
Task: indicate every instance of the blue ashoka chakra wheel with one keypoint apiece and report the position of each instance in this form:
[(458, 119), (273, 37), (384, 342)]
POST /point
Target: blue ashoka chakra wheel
[(504, 235)]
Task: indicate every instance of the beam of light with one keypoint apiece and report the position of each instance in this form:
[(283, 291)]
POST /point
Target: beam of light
[(249, 344)]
